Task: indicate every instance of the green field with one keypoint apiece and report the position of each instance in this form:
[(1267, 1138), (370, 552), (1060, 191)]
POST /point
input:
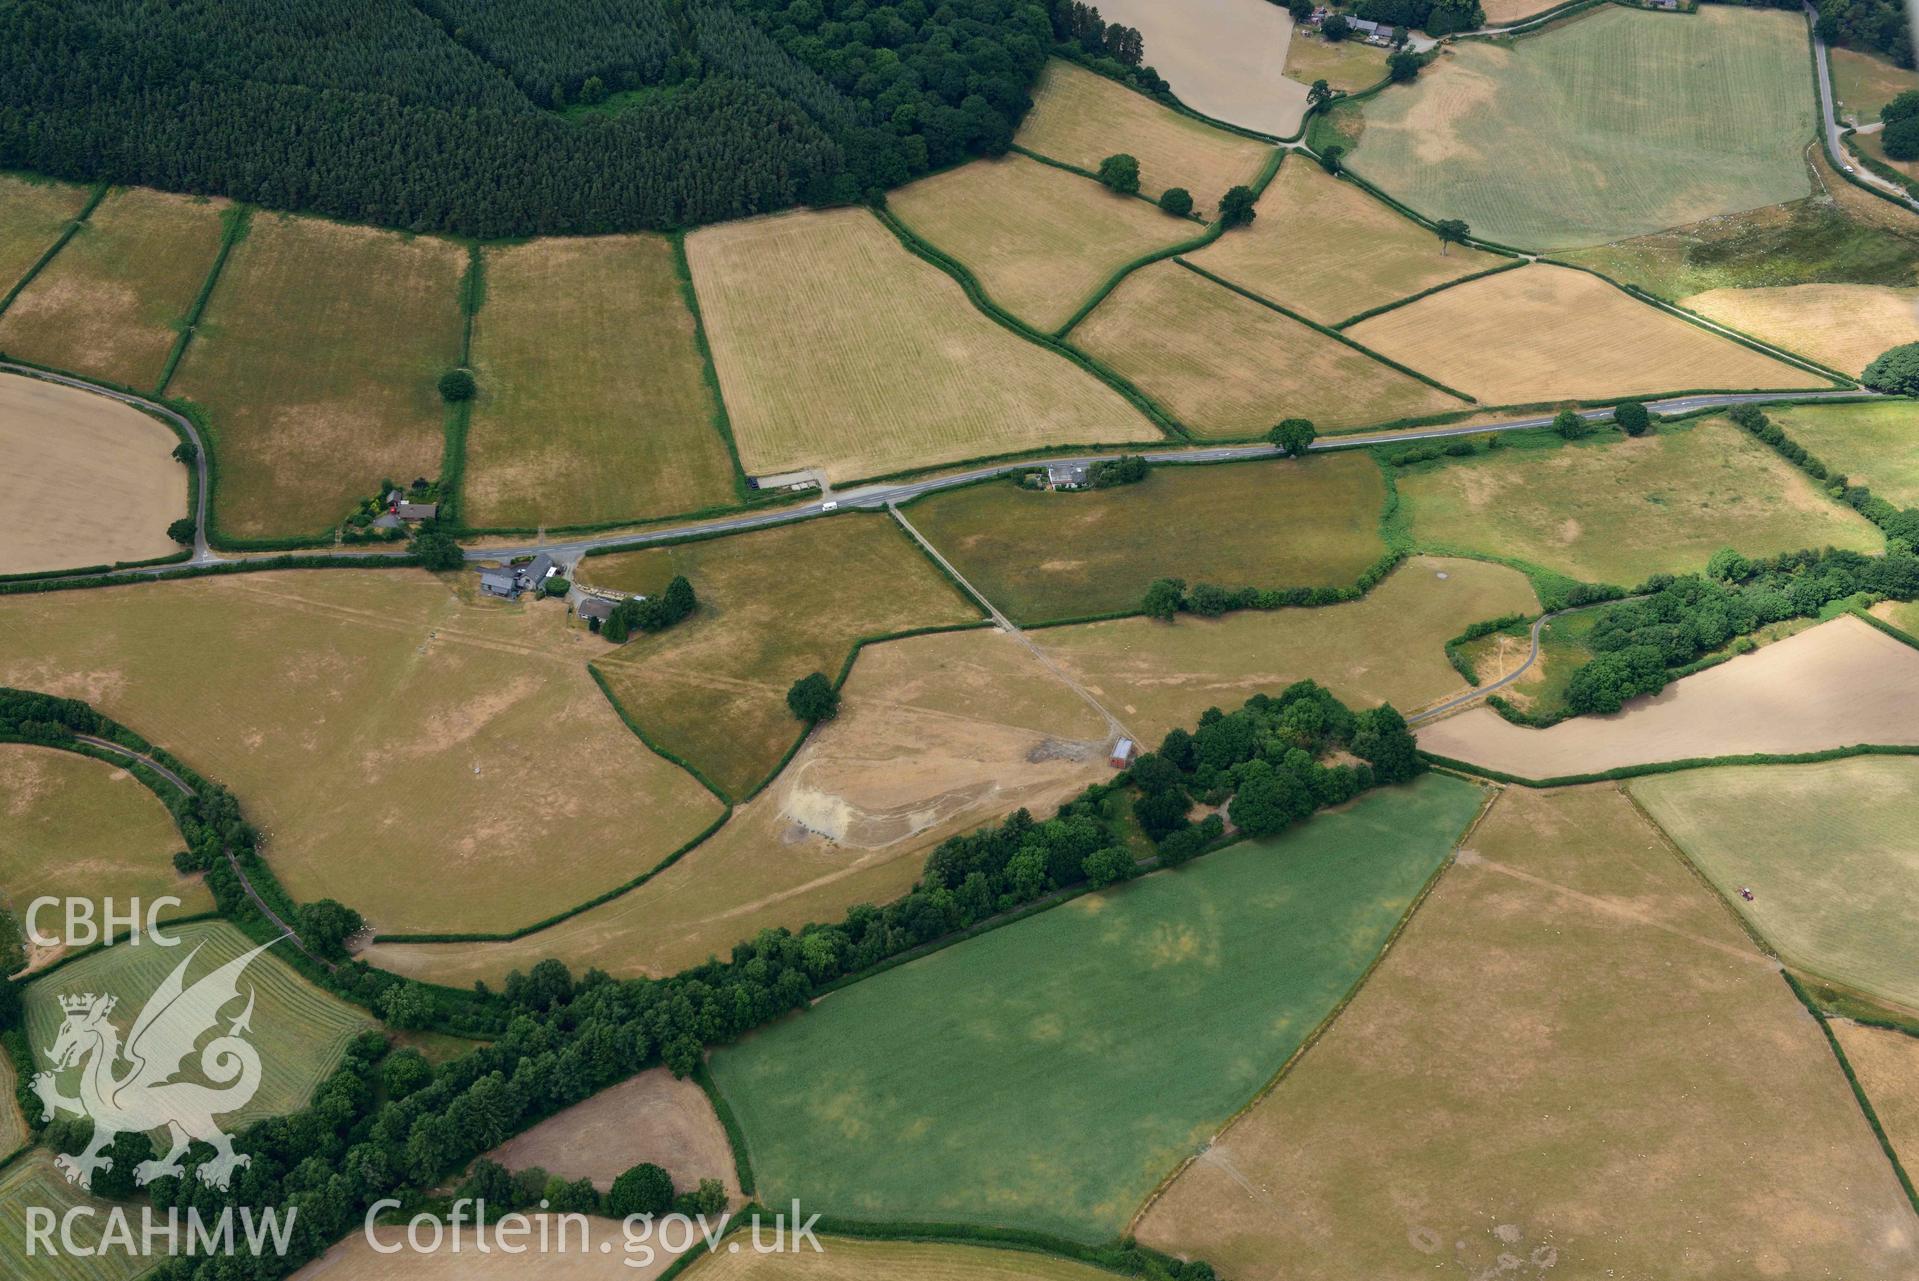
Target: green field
[(775, 605), (1617, 124), (1830, 851), (1041, 556), (1049, 1074), (593, 403), (1876, 445), (1611, 510), (33, 212), (33, 1181), (300, 1030), (1865, 82)]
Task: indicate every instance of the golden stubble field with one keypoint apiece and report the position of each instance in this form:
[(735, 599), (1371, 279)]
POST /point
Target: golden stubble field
[(839, 349), (1039, 239), (593, 404), (1845, 327), (1573, 1062), (936, 735), (1328, 250), (113, 300), (316, 362), (1546, 333), (437, 764), (1834, 685), (1228, 367), (1080, 118), (648, 1117), (89, 481)]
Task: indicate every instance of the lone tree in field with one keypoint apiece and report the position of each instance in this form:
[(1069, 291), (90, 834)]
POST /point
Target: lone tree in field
[(813, 699), (1633, 418), (1321, 92), (1570, 425), (456, 385), (1294, 436), (1452, 231), (1333, 159), (1236, 207), (1176, 201), (181, 531), (1897, 371), (1121, 173)]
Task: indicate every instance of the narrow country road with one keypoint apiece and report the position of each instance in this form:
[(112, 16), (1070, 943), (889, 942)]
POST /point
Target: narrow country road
[(1829, 120)]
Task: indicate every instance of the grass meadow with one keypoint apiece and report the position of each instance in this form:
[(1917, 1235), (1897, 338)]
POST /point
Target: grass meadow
[(1043, 556), (1830, 851), (1048, 1074), (1615, 510), (775, 605), (81, 828), (1329, 251), (1386, 648), (1545, 333), (33, 213), (394, 739), (315, 363), (1229, 367), (1348, 65), (893, 368), (1875, 444), (1080, 118), (113, 300), (1039, 239), (593, 402), (300, 1030), (33, 1181), (1865, 82), (1613, 125), (1572, 1062)]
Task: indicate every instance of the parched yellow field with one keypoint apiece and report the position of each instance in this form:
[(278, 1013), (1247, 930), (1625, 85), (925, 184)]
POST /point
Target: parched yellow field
[(1228, 367), (79, 828), (392, 741), (33, 211), (1387, 647), (1875, 444), (838, 349), (1833, 685), (775, 605), (843, 1259), (111, 303), (1551, 333), (1349, 66), (1228, 59), (1082, 118), (936, 735), (1328, 250), (1887, 1065), (1618, 510), (316, 362), (1571, 1063), (88, 481), (593, 403), (1865, 82), (648, 1117), (1845, 327), (1039, 239)]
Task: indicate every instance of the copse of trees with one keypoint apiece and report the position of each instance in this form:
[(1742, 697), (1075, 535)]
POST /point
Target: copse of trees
[(1435, 17), (651, 613), (1895, 370), (1127, 469), (1881, 25)]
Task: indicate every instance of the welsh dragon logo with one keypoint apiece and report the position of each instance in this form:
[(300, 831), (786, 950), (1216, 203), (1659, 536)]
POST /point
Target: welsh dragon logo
[(142, 1097)]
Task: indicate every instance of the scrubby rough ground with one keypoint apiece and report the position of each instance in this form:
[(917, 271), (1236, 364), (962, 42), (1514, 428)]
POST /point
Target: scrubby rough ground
[(1571, 1063), (80, 828), (1388, 647), (893, 367), (1328, 250), (1842, 326), (843, 1259), (33, 212), (88, 481), (112, 302), (1618, 510), (1545, 333), (1222, 57), (1228, 367), (1047, 555), (1830, 851), (1834, 685), (593, 403), (389, 738), (316, 362), (1876, 444), (1024, 1077), (649, 1117), (1887, 1065), (1613, 125), (1039, 239), (935, 735), (1081, 118)]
